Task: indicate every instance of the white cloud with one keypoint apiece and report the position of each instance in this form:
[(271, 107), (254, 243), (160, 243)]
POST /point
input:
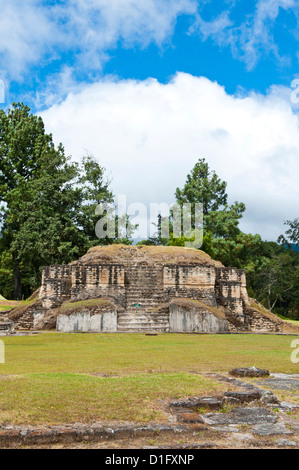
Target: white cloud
[(253, 36), (25, 35), (149, 135), (258, 37), (103, 23), (33, 32)]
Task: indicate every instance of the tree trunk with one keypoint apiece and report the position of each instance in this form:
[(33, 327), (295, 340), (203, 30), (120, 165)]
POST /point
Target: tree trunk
[(17, 274)]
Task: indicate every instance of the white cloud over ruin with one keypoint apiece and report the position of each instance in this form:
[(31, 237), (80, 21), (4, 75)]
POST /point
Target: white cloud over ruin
[(149, 135)]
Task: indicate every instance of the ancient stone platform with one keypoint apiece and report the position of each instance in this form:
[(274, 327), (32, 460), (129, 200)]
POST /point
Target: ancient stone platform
[(152, 289)]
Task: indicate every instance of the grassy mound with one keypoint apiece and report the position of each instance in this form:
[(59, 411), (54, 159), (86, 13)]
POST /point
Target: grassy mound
[(143, 254), (198, 304), (91, 305), (287, 327)]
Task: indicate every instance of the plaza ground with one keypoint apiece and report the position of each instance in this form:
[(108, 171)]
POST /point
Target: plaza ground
[(53, 378)]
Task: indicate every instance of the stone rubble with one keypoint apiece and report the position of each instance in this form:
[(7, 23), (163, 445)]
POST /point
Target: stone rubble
[(256, 409), (250, 417), (249, 372)]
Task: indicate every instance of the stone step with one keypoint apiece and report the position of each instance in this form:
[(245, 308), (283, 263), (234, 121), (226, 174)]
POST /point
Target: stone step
[(142, 300), (163, 329), (144, 303), (146, 294), (144, 272), (143, 328), (142, 276), (146, 316), (143, 312), (145, 306), (142, 321), (144, 269), (142, 286), (137, 324)]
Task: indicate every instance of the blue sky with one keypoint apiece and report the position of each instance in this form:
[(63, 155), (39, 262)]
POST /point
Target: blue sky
[(240, 44), (146, 86)]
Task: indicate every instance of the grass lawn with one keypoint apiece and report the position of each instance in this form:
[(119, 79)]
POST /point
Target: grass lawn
[(55, 378), (8, 305)]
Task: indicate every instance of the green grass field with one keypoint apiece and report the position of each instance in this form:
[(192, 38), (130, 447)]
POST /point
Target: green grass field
[(53, 378), (8, 305)]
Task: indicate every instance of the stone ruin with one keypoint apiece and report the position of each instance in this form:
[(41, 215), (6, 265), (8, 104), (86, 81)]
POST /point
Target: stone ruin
[(151, 289)]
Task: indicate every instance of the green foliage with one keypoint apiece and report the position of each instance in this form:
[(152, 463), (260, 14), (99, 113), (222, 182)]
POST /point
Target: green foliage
[(47, 202), (272, 273), (277, 284), (148, 242), (6, 274), (47, 216), (222, 238), (206, 244), (203, 185), (292, 234)]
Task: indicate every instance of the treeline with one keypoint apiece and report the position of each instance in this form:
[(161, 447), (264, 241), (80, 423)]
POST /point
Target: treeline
[(47, 202), (47, 216), (272, 268)]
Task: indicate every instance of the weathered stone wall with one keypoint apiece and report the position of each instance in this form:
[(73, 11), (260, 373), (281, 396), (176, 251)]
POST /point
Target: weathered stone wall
[(149, 285), (28, 317), (139, 289), (195, 282), (230, 287), (257, 321), (87, 322), (196, 319), (144, 286), (95, 281), (56, 285)]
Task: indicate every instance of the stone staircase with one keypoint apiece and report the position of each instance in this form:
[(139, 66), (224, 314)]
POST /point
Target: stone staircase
[(24, 320), (145, 321), (6, 327), (144, 298), (144, 287)]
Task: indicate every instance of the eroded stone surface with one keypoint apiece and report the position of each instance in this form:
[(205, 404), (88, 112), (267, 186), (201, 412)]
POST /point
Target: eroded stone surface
[(269, 399), (249, 372), (286, 406), (153, 289), (244, 397), (242, 415), (282, 383), (267, 429), (230, 401), (198, 402), (229, 428), (285, 443)]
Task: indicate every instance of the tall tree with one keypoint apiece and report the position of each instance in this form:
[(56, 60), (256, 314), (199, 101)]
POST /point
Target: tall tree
[(222, 237), (292, 234), (278, 283), (203, 185), (46, 200)]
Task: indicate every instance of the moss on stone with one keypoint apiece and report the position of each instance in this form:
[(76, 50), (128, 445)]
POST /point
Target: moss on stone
[(91, 305), (194, 303)]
